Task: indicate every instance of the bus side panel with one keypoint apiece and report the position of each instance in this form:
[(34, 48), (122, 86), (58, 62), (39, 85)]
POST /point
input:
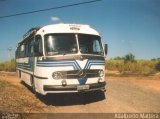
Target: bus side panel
[(25, 69)]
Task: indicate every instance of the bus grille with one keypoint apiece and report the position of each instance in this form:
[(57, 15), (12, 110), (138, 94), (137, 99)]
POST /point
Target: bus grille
[(72, 74)]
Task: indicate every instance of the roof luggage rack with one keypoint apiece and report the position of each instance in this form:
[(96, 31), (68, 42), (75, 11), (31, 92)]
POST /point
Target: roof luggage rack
[(30, 31)]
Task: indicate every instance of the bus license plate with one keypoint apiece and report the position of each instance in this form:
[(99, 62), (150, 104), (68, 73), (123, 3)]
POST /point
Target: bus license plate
[(82, 87)]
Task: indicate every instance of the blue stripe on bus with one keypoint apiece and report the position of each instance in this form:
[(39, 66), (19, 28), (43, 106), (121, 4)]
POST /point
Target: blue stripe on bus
[(53, 63), (93, 62), (25, 66), (22, 67), (73, 63)]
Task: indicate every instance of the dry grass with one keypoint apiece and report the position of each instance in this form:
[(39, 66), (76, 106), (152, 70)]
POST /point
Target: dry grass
[(13, 98), (138, 67), (8, 66)]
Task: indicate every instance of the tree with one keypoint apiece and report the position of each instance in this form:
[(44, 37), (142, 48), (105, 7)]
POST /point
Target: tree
[(118, 58), (129, 58)]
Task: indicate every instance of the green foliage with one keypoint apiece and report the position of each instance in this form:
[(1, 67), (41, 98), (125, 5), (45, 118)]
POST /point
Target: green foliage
[(129, 58), (8, 66), (118, 58), (157, 66)]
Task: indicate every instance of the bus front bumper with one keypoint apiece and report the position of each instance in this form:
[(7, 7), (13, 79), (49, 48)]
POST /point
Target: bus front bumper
[(74, 88)]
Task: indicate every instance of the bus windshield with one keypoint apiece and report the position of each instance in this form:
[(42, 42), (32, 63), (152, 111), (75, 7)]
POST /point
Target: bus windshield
[(60, 44), (66, 44), (90, 44)]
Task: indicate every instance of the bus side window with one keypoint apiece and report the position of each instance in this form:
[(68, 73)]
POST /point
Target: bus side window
[(22, 49), (17, 52), (30, 48), (38, 46), (26, 49)]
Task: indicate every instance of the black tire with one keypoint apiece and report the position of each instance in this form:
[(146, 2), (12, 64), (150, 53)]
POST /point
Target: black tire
[(22, 82), (33, 85)]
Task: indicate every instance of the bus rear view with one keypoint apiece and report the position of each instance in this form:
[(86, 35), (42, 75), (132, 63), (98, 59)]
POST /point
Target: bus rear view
[(66, 58)]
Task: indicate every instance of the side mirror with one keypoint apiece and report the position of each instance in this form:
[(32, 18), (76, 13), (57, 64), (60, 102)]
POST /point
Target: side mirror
[(106, 48)]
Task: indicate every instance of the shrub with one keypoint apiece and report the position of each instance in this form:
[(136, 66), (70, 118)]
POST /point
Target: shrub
[(157, 66), (129, 58), (8, 66), (144, 67)]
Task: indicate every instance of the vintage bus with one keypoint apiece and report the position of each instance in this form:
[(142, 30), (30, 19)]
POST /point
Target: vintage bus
[(62, 58)]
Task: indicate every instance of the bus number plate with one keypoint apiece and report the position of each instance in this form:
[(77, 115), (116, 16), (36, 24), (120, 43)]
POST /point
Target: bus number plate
[(82, 87)]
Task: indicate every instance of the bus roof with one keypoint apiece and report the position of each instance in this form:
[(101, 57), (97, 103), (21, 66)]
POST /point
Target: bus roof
[(67, 28)]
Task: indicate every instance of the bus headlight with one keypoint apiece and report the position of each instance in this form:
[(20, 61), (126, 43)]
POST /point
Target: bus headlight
[(101, 73), (57, 75)]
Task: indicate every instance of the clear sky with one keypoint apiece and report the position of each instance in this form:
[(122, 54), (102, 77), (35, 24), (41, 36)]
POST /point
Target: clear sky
[(127, 26)]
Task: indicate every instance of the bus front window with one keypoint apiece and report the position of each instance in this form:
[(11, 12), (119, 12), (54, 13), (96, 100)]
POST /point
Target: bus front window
[(90, 44), (60, 44)]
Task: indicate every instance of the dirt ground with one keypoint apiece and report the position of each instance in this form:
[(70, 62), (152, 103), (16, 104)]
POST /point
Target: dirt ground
[(132, 94)]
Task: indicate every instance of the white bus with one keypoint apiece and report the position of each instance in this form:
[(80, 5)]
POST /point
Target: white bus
[(62, 58)]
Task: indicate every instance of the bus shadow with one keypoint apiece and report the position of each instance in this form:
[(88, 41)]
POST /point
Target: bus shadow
[(66, 99), (72, 98)]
